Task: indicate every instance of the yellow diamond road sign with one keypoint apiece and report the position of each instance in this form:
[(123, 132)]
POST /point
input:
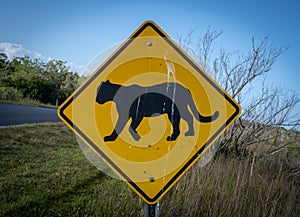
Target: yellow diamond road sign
[(149, 111)]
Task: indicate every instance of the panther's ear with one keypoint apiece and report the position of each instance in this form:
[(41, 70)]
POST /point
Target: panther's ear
[(108, 82)]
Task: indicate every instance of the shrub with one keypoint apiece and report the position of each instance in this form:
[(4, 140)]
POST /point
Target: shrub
[(10, 93)]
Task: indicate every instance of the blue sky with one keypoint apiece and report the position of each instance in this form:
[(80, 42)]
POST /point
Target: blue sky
[(76, 31)]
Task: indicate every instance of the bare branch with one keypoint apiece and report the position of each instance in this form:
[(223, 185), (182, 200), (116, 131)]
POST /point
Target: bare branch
[(266, 110)]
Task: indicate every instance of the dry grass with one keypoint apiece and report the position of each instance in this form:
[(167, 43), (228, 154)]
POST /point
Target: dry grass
[(228, 188), (28, 102)]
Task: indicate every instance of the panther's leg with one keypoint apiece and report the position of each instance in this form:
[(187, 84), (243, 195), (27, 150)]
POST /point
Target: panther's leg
[(134, 124), (187, 116), (174, 117), (118, 128)]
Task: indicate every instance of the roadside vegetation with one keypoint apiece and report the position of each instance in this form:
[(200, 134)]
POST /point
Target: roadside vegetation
[(25, 80), (28, 102), (44, 173)]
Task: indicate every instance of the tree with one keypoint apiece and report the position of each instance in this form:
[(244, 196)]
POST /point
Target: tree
[(266, 111), (49, 82), (3, 60), (65, 81), (3, 65)]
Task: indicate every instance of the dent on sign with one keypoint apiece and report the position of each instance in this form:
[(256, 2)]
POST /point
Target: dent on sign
[(149, 111)]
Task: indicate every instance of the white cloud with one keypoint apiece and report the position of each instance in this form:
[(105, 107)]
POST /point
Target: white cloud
[(76, 68), (17, 50)]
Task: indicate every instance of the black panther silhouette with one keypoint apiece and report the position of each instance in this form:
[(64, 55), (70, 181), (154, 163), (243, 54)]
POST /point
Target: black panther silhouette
[(137, 102)]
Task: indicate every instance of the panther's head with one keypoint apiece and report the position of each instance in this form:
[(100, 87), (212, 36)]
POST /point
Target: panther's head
[(105, 92)]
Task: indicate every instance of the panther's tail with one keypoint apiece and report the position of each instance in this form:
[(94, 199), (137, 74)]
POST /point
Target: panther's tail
[(198, 116)]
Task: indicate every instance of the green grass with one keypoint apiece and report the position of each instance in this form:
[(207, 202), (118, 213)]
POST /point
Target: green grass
[(44, 173)]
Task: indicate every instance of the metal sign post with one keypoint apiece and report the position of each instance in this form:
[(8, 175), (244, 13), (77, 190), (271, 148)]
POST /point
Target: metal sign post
[(152, 210)]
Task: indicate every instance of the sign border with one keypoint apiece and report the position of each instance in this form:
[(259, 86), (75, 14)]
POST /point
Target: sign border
[(175, 178)]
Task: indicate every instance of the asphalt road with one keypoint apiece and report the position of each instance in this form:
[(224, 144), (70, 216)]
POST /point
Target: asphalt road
[(18, 114)]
